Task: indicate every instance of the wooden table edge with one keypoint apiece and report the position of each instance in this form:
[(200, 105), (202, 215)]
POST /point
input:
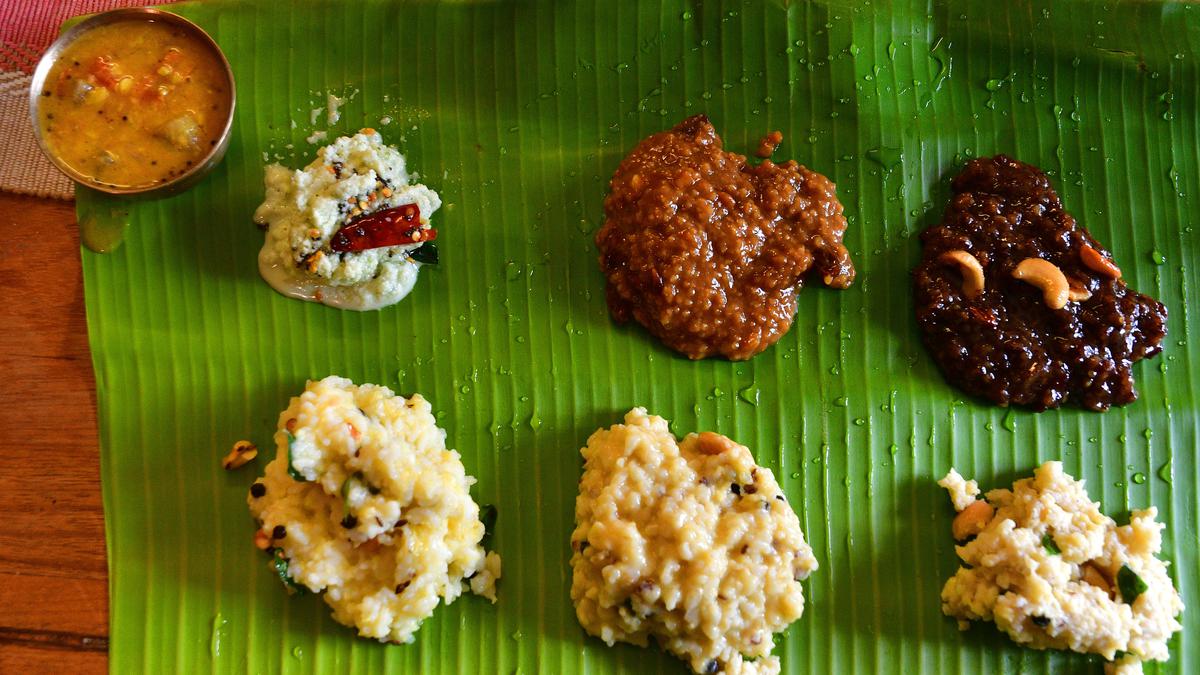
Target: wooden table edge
[(53, 570)]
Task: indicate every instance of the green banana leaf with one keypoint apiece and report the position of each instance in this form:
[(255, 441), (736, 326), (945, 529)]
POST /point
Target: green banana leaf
[(517, 114)]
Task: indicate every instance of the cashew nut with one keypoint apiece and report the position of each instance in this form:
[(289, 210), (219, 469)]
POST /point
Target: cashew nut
[(242, 452), (1097, 263), (968, 265), (971, 520), (1093, 576), (710, 443), (1046, 276)]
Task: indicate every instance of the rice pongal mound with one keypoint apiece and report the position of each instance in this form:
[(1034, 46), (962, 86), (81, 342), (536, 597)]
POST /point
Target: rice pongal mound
[(364, 504), (1050, 570), (690, 543)]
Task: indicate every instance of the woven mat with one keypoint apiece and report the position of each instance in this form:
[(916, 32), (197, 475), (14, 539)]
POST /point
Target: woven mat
[(27, 27)]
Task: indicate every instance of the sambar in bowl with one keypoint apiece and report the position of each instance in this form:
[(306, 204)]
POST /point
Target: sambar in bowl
[(134, 102)]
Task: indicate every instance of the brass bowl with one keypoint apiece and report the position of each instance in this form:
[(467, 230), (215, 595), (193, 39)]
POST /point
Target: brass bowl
[(180, 182)]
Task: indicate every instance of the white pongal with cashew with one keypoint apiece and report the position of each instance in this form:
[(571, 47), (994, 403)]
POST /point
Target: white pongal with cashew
[(1050, 570), (364, 504), (689, 543)]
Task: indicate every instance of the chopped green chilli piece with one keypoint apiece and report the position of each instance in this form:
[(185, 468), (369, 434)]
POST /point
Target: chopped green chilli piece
[(296, 475), (1049, 545), (280, 564), (487, 515), (1130, 584)]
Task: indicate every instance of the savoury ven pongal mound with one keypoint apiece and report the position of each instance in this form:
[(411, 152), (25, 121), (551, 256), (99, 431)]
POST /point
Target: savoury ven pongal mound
[(1051, 571), (364, 503), (707, 252), (689, 543)]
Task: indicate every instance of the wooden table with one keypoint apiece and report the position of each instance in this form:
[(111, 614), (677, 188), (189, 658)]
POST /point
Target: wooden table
[(53, 578)]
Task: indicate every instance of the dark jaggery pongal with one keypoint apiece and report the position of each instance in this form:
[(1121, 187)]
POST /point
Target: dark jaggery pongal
[(1049, 321), (708, 252)]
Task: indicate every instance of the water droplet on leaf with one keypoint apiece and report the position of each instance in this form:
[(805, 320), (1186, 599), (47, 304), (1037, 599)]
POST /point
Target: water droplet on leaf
[(1166, 472)]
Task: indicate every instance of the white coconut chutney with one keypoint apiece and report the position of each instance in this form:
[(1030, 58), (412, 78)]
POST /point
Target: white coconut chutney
[(303, 209)]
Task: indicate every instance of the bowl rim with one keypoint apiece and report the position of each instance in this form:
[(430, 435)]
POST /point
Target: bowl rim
[(50, 57)]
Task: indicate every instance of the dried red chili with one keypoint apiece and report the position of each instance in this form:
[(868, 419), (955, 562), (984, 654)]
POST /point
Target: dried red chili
[(390, 227)]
